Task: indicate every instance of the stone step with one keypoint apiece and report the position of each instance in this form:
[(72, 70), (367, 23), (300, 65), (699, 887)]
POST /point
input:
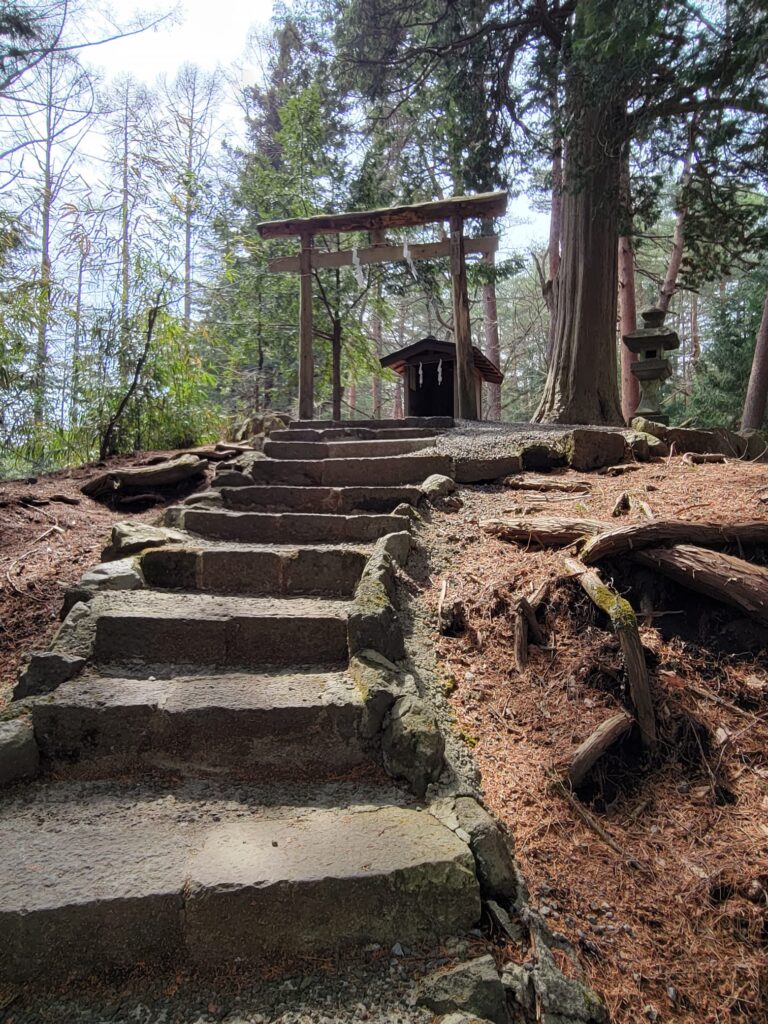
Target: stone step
[(436, 422), (351, 431), (256, 569), (387, 471), (109, 875), (345, 449), (285, 527), (201, 629), (343, 500), (288, 721)]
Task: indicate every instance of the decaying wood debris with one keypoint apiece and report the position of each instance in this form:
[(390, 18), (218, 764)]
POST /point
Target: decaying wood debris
[(546, 484), (698, 459), (524, 613), (620, 540), (598, 743), (547, 531), (624, 621), (143, 478), (731, 580)]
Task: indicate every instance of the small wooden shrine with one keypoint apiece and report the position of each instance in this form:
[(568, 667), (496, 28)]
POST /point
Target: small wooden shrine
[(428, 369), (455, 246)]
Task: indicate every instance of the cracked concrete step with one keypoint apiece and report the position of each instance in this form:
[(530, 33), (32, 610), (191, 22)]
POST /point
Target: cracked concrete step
[(188, 629), (319, 499), (101, 875), (284, 527), (351, 431), (386, 471), (256, 569), (293, 720), (436, 422), (342, 449)]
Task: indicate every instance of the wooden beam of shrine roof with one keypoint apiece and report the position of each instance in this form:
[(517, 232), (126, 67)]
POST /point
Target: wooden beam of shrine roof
[(485, 205), (382, 254)]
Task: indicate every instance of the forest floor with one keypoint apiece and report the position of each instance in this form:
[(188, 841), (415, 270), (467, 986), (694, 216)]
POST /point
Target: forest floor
[(683, 934), (682, 937), (45, 549)]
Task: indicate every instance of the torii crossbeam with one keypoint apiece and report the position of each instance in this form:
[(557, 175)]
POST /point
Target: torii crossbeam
[(456, 210)]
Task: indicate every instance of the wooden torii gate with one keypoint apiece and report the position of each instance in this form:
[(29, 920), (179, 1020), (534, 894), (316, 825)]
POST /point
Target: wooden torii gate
[(456, 246)]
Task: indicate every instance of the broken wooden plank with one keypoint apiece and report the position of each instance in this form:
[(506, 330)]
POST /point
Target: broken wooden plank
[(624, 622), (547, 531), (596, 744), (726, 578), (620, 540)]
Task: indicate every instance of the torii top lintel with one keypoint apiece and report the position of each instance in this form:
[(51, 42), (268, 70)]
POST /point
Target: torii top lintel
[(486, 206)]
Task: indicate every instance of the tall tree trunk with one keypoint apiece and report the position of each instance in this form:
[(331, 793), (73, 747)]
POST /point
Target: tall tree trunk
[(379, 350), (352, 400), (336, 369), (492, 348), (74, 399), (581, 384), (555, 233), (695, 331), (757, 390), (44, 293), (630, 386), (678, 237), (125, 250)]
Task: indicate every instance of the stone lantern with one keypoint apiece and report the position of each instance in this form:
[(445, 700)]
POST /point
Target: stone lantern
[(651, 368)]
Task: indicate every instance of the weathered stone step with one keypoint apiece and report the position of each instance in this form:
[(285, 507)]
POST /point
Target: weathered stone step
[(377, 472), (285, 527), (319, 499), (351, 431), (344, 449), (287, 721), (201, 629), (105, 876), (436, 422), (256, 569)]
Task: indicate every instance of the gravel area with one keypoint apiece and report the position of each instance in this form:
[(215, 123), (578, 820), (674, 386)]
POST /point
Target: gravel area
[(481, 439)]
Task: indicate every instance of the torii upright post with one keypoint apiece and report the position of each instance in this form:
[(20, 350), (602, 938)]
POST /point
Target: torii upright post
[(306, 355), (466, 399)]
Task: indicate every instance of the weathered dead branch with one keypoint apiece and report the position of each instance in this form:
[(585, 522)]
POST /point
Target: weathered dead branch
[(594, 746), (624, 623), (543, 483), (547, 531), (723, 577), (698, 458), (621, 539)]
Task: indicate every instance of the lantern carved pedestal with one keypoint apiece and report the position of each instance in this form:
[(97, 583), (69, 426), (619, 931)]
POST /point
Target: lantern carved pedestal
[(651, 368)]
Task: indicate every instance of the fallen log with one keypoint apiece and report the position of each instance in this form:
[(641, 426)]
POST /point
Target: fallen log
[(543, 483), (723, 577), (547, 531), (598, 743), (624, 622), (141, 478), (621, 539), (698, 458)]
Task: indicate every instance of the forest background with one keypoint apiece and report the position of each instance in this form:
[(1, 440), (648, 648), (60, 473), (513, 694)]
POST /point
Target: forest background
[(136, 309)]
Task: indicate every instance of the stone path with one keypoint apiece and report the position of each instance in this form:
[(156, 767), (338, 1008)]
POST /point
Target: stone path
[(191, 804)]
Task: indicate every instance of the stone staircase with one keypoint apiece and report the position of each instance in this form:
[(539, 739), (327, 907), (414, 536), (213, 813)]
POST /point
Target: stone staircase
[(213, 785)]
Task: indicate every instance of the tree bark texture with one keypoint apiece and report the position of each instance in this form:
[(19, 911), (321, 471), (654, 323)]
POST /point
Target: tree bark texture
[(669, 284), (757, 389), (723, 577), (581, 385), (625, 539)]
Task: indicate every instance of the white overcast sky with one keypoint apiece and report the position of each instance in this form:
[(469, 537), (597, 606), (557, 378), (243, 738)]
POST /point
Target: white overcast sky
[(214, 33)]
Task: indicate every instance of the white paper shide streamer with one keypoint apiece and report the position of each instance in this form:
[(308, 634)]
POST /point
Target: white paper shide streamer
[(408, 260), (440, 372), (358, 268), (421, 375)]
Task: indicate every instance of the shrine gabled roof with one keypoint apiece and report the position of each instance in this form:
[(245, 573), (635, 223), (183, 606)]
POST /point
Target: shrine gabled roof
[(411, 354)]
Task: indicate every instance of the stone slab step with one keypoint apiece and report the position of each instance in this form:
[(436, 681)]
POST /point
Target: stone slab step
[(104, 876), (351, 431), (436, 422), (344, 449), (285, 527), (256, 569), (387, 471), (319, 499), (290, 721), (202, 629)]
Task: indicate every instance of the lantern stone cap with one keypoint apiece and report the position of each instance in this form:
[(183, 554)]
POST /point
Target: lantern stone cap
[(653, 334)]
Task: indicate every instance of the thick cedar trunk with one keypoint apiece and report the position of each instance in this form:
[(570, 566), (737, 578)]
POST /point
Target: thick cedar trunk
[(581, 384), (630, 386), (352, 400), (757, 390), (555, 233)]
